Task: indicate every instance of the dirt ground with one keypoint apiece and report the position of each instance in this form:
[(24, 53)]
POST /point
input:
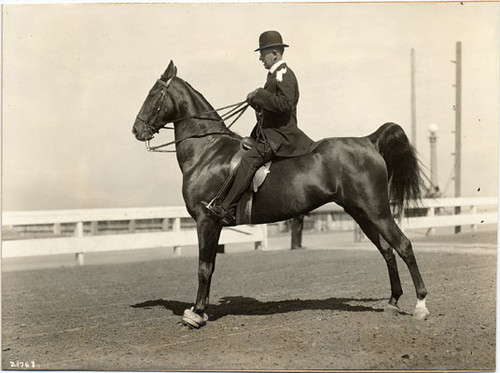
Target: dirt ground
[(276, 310)]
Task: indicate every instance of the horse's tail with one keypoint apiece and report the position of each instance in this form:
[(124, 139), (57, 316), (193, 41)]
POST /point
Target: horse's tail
[(405, 181)]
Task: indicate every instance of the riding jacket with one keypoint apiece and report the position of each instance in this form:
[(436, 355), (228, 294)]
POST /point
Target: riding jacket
[(276, 108)]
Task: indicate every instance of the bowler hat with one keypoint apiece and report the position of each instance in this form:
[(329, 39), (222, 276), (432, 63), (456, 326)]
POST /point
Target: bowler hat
[(270, 39)]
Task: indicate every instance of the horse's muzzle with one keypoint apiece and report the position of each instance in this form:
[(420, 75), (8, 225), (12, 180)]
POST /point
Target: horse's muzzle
[(140, 132)]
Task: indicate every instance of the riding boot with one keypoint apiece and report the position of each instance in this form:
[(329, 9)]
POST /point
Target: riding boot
[(214, 206)]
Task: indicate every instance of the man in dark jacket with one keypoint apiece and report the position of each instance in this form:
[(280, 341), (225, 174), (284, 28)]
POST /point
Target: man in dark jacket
[(276, 132)]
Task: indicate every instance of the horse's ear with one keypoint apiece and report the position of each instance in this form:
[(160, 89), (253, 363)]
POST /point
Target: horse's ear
[(170, 72)]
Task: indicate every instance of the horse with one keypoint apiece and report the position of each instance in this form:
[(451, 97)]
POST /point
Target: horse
[(361, 174)]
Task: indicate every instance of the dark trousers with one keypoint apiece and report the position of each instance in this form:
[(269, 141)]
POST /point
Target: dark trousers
[(250, 163)]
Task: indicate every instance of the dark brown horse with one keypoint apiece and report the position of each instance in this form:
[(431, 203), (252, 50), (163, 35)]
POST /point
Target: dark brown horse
[(360, 174)]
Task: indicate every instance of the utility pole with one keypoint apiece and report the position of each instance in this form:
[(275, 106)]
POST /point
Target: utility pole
[(458, 127), (413, 101)]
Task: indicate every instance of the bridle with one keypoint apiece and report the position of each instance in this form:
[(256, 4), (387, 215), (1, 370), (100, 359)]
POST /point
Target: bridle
[(153, 119), (236, 109)]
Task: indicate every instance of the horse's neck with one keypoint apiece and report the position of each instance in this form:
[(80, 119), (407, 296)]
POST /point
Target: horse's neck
[(200, 133), (198, 113)]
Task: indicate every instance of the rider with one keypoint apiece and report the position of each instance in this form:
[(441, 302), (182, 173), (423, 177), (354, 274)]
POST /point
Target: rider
[(276, 132)]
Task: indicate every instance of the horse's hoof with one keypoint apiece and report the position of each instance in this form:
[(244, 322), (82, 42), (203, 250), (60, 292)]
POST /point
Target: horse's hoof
[(420, 313), (392, 309), (194, 320)]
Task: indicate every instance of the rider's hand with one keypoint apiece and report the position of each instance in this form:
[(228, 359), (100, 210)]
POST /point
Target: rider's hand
[(251, 96)]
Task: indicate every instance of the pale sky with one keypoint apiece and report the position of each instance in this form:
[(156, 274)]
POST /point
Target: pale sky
[(75, 76)]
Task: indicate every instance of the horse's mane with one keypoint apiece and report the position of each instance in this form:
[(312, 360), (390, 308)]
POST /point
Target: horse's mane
[(206, 106)]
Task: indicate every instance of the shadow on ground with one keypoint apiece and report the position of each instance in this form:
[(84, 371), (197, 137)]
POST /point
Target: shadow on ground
[(249, 306)]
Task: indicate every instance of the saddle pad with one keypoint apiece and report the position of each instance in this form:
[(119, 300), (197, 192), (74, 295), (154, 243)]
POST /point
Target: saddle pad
[(260, 176), (244, 206)]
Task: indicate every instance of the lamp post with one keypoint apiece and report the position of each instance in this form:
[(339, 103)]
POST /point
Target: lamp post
[(433, 128), (434, 187)]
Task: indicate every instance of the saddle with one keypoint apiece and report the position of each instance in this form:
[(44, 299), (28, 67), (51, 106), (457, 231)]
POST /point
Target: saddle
[(244, 205)]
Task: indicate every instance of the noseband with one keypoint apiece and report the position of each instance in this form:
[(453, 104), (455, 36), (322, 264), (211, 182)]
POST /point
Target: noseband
[(237, 109)]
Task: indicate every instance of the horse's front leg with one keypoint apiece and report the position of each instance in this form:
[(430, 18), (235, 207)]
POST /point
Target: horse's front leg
[(208, 238)]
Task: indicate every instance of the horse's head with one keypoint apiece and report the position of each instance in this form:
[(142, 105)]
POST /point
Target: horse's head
[(157, 110)]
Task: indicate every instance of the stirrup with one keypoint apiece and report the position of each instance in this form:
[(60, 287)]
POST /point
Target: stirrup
[(224, 216), (212, 209), (228, 219)]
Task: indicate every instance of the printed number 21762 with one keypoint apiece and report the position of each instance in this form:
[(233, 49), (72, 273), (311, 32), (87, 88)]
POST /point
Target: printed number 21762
[(22, 364)]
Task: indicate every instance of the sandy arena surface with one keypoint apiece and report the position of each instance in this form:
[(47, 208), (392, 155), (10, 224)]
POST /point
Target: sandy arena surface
[(278, 310)]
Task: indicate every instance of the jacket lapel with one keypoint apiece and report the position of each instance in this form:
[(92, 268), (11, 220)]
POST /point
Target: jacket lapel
[(270, 78)]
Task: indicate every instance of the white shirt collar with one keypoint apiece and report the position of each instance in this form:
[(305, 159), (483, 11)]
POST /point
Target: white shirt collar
[(275, 66)]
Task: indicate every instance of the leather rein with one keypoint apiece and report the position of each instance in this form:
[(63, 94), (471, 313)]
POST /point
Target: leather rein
[(236, 110)]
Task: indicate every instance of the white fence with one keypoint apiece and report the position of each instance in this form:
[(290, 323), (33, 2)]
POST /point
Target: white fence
[(473, 212), (171, 236), (432, 214)]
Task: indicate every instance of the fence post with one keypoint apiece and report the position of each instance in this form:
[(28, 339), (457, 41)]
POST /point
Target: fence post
[(330, 225), (94, 228), (165, 224), (318, 224), (56, 229), (458, 228), (473, 210), (431, 230), (80, 259), (176, 228), (262, 245), (131, 225)]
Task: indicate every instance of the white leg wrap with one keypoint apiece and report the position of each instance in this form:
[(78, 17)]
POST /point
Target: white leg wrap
[(421, 303), (421, 312)]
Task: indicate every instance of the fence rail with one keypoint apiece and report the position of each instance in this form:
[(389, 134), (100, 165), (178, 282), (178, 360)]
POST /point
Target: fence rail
[(172, 234), (473, 212), (168, 229)]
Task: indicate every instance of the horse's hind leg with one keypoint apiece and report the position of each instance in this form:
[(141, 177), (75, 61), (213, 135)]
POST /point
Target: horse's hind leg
[(387, 252), (396, 239), (375, 218)]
